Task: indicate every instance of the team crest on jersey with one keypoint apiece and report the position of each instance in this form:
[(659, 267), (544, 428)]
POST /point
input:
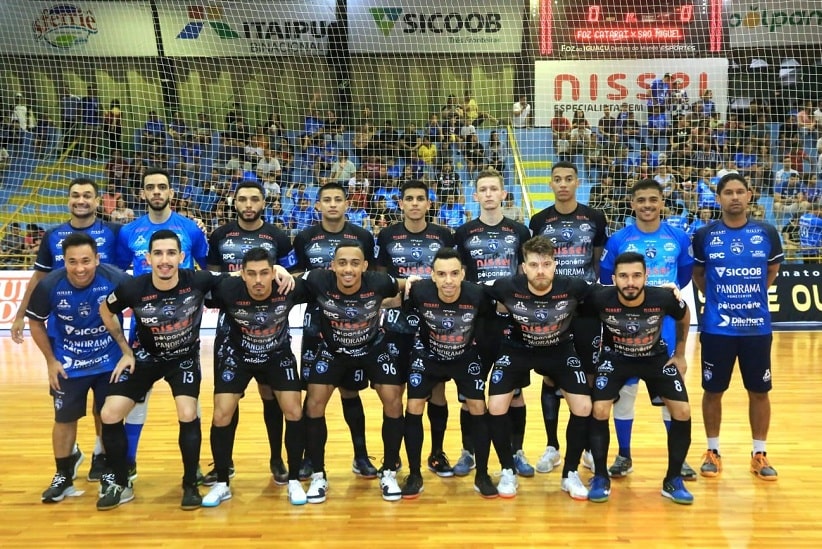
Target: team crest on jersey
[(493, 245), (669, 370), (574, 362), (350, 312), (497, 376), (737, 247), (541, 315), (260, 317), (84, 309), (448, 323), (169, 310), (416, 253), (650, 252), (415, 379), (474, 369), (632, 326), (228, 375), (567, 233), (321, 366), (601, 382)]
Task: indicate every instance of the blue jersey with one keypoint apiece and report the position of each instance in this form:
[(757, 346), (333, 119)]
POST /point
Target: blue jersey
[(132, 244), (50, 254), (679, 222), (667, 252), (736, 264), (810, 231), (79, 340)]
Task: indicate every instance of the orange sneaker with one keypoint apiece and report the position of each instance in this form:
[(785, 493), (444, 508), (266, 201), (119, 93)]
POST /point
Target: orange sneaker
[(761, 467), (711, 464)]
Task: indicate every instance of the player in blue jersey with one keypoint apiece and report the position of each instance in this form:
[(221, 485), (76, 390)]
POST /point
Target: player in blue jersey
[(736, 260), (80, 354), (132, 249), (83, 202), (810, 232), (668, 254)]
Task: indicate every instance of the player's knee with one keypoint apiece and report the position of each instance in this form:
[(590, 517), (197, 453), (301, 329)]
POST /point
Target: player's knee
[(222, 416), (498, 406), (415, 406), (580, 406), (476, 407), (601, 409), (680, 411)]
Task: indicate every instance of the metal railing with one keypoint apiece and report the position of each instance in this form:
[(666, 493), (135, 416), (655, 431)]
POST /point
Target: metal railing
[(519, 172)]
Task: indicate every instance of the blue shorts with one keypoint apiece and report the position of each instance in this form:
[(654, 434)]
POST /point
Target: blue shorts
[(70, 401), (720, 352)]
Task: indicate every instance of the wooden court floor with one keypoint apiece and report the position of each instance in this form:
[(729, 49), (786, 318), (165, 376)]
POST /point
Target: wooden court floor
[(736, 510)]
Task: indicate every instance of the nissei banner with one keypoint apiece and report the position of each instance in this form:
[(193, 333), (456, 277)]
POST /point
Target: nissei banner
[(589, 85), (773, 22), (98, 29), (452, 26), (794, 298), (244, 28)]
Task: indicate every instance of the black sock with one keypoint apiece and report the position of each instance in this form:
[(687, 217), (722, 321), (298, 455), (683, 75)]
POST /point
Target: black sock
[(190, 439), (222, 448), (316, 435), (465, 429), (576, 436), (517, 417), (294, 446), (116, 445), (600, 439), (413, 441), (393, 429), (354, 415), (499, 428), (438, 417), (550, 414), (679, 440), (273, 417), (482, 442), (64, 466)]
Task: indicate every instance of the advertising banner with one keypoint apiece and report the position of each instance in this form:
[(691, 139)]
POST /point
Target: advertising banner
[(452, 26), (589, 85), (773, 22)]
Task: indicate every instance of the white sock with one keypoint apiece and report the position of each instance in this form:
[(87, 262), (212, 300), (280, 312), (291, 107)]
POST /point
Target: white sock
[(98, 446), (758, 446), (713, 444)]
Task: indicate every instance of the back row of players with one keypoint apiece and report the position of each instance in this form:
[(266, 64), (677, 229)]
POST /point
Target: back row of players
[(444, 329)]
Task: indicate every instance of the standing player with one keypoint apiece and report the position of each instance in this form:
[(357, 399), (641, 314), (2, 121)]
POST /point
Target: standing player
[(314, 248), (132, 249), (353, 342), (736, 260), (167, 305), (542, 307), (668, 253), (451, 313), (83, 202), (632, 346), (227, 247), (254, 342), (490, 247), (404, 249), (79, 352), (578, 234)]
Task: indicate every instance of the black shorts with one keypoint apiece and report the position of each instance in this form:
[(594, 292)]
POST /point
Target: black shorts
[(312, 338), (663, 380), (354, 373), (183, 375), (71, 401), (512, 369), (236, 369), (399, 334), (720, 352), (466, 371), (587, 332)]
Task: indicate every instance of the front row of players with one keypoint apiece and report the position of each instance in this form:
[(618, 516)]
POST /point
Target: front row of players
[(450, 316)]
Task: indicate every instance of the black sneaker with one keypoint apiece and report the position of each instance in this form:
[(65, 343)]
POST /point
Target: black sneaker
[(363, 467), (77, 457), (114, 496), (306, 470), (278, 471), (412, 487), (191, 497), (438, 463), (210, 478), (98, 467), (60, 488), (486, 488), (397, 467)]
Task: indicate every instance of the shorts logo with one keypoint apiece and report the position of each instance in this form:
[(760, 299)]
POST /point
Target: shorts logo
[(309, 356), (417, 364), (601, 382), (574, 362), (415, 379), (497, 376), (669, 370), (228, 375), (384, 357), (707, 371), (393, 350), (321, 367), (474, 369), (306, 371), (58, 403), (766, 377)]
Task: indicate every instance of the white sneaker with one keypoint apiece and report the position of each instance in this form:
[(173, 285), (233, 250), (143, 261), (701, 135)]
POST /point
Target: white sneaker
[(391, 490), (550, 459), (296, 493), (218, 494), (318, 488), (507, 486), (573, 485), (588, 460)]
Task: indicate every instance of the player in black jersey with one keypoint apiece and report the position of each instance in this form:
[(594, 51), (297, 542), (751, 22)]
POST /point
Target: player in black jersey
[(314, 249), (578, 234), (450, 313), (254, 341), (353, 347), (404, 249), (632, 346), (227, 247), (490, 247), (167, 305), (542, 306)]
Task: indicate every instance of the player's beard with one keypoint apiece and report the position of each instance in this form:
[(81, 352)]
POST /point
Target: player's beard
[(634, 293), (160, 208), (256, 216)]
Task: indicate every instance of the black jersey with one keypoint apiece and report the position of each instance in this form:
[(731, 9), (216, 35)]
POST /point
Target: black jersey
[(635, 331), (539, 320), (229, 243), (491, 252), (575, 235), (167, 321), (349, 323), (314, 247), (447, 330), (251, 326), (404, 253)]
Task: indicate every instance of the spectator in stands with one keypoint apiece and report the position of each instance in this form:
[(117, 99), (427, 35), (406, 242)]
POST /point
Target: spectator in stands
[(561, 126), (451, 213), (473, 114), (358, 213), (358, 188), (675, 216), (798, 157), (451, 131), (687, 183), (409, 142), (121, 214), (705, 157), (721, 142), (70, 111), (790, 232), (274, 129), (20, 118), (660, 94), (427, 154), (805, 119), (4, 156), (325, 158), (362, 141), (237, 132), (681, 157), (113, 127), (189, 155), (268, 168), (607, 125), (521, 113), (668, 182), (629, 130), (92, 119), (303, 216), (388, 141), (333, 128), (782, 176), (705, 107), (659, 129), (433, 130), (704, 217), (789, 197), (580, 135), (706, 190), (372, 168), (679, 106), (32, 240), (12, 246), (810, 233), (474, 154), (204, 129), (109, 200), (177, 129), (448, 182), (759, 131), (154, 134), (275, 213), (452, 106), (116, 170), (466, 131), (511, 210), (495, 153)]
